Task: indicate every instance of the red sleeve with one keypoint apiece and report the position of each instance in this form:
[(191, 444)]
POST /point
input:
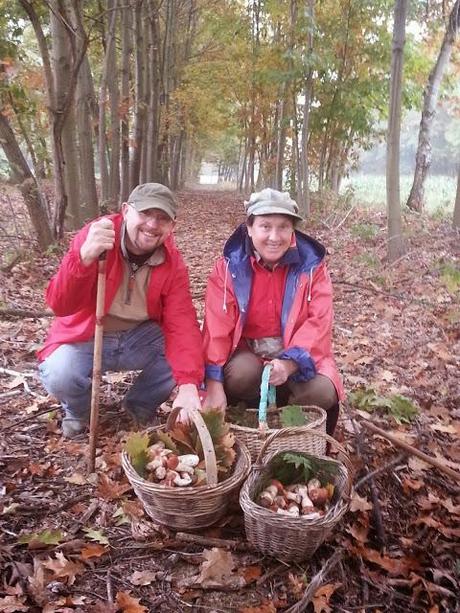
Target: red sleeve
[(73, 287), (221, 316), (184, 349), (313, 329)]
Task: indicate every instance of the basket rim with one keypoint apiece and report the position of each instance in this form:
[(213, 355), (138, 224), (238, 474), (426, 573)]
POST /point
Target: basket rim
[(235, 477), (265, 433)]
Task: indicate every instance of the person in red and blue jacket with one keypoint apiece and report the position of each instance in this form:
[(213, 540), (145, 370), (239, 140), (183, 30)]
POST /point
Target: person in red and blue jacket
[(149, 321), (269, 299)]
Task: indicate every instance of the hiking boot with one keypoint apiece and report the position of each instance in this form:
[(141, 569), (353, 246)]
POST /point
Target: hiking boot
[(73, 427)]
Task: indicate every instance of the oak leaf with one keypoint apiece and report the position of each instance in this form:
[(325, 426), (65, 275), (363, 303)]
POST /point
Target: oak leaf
[(110, 489), (92, 550), (217, 569), (322, 596), (64, 568), (144, 577), (127, 604), (11, 604)]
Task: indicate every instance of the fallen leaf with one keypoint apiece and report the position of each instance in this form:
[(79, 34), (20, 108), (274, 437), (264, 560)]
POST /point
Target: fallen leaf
[(251, 573), (217, 569), (93, 550), (322, 596), (358, 503), (127, 604), (110, 489), (394, 566), (412, 484), (96, 535), (11, 604), (144, 577), (268, 607), (36, 540), (446, 428), (76, 479), (416, 464), (64, 568)]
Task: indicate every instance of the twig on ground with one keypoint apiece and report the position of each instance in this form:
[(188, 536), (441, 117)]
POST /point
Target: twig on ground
[(380, 470), (84, 518), (376, 510), (108, 582), (271, 573), (412, 450), (14, 313), (344, 219), (205, 541), (16, 373), (28, 418), (316, 583)]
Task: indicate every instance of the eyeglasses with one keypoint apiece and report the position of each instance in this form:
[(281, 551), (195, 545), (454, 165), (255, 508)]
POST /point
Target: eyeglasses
[(162, 219)]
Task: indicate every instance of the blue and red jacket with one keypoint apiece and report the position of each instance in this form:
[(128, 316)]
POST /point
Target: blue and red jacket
[(306, 316)]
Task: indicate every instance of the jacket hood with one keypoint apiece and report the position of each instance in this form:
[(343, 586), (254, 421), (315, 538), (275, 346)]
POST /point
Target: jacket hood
[(311, 252)]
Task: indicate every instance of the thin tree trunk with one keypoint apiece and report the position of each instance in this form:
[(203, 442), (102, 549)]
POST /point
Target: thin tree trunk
[(126, 51), (62, 68), (22, 174), (107, 72), (395, 237), (139, 109), (430, 100), (456, 218), (86, 111)]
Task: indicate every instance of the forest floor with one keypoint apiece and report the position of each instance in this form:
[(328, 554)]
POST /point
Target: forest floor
[(73, 542)]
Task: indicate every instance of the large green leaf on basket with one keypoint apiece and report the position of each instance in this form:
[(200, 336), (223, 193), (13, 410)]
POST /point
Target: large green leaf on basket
[(136, 447), (290, 467), (292, 415)]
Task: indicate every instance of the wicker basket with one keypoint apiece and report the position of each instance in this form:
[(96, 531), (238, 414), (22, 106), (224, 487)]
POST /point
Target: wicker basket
[(254, 438), (190, 508), (292, 538)]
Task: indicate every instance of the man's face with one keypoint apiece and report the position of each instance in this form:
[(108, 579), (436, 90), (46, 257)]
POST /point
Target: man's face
[(146, 230), (271, 236)]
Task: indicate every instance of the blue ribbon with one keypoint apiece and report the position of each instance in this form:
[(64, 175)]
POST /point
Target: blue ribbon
[(267, 394)]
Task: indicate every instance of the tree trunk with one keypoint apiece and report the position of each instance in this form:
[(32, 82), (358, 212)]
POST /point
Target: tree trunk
[(62, 69), (107, 73), (396, 246), (86, 112), (154, 87), (140, 108), (126, 51), (22, 174), (430, 100), (456, 218)]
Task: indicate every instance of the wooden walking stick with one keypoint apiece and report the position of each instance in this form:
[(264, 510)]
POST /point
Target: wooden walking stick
[(97, 361)]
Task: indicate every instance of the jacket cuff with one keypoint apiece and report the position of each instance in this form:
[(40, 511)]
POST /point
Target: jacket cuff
[(304, 361), (214, 372)]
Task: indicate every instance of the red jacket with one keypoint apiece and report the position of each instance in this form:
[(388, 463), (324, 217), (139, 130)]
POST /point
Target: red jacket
[(307, 315), (71, 294)]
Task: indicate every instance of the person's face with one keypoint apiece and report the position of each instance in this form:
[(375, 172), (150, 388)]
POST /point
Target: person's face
[(146, 230), (271, 236)]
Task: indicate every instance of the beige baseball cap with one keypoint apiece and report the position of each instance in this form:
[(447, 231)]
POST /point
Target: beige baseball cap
[(154, 196)]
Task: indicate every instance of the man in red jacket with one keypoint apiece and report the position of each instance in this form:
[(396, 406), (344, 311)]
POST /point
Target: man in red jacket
[(269, 299), (150, 323)]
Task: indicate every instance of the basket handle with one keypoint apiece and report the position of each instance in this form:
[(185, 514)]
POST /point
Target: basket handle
[(267, 396), (294, 431), (205, 438)]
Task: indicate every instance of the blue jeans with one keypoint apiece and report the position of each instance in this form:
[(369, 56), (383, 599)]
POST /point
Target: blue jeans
[(67, 372)]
